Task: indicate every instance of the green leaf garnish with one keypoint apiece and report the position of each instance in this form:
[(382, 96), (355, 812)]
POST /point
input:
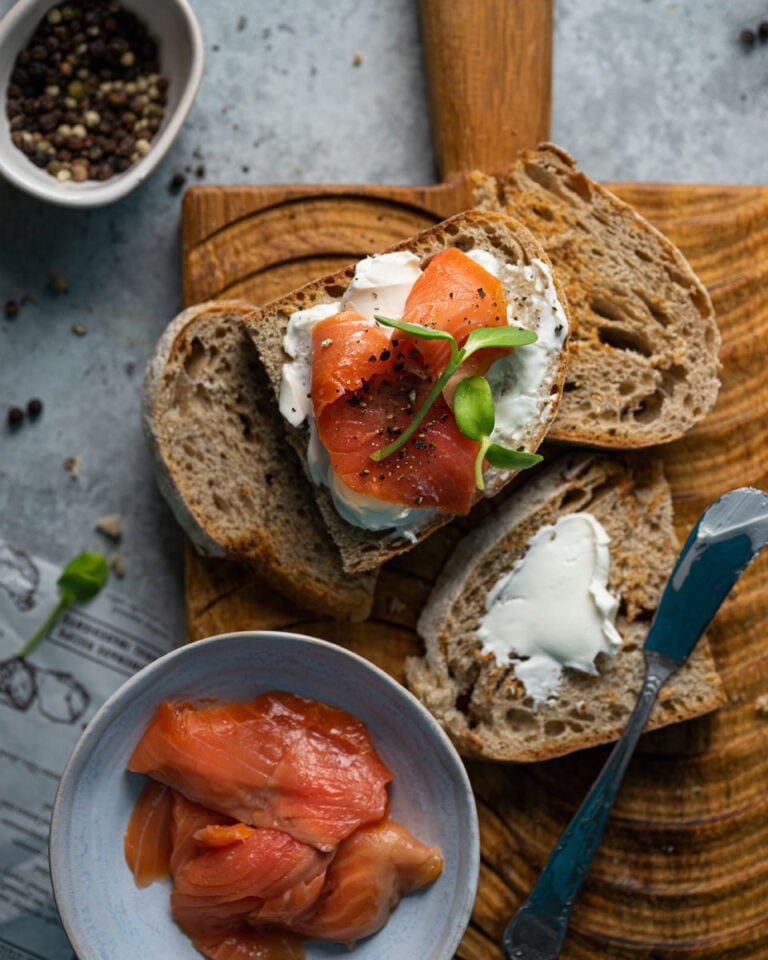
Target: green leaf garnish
[(80, 581), (508, 459), (479, 339), (483, 337), (476, 418), (473, 408)]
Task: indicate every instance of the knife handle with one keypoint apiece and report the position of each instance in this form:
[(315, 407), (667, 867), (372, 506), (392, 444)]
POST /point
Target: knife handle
[(537, 930), (489, 71)]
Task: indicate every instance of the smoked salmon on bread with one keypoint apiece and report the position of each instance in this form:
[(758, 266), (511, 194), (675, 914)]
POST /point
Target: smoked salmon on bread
[(362, 365)]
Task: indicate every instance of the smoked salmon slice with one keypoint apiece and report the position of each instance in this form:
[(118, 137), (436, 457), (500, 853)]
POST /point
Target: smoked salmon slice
[(280, 761), (245, 943), (224, 884), (188, 819), (352, 349), (457, 295), (430, 470), (148, 843), (244, 891), (366, 879), (368, 381)]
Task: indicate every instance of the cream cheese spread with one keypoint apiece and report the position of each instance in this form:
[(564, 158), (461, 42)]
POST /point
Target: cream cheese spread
[(553, 609), (381, 284), (520, 382)]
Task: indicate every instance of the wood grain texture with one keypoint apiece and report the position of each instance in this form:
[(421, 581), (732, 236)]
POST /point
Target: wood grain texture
[(489, 65), (682, 872)]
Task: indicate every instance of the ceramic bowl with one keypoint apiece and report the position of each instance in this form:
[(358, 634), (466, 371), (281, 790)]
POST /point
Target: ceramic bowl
[(174, 25), (108, 918)]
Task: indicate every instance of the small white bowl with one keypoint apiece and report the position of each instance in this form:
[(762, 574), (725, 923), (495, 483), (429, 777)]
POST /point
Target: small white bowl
[(173, 24), (107, 917)]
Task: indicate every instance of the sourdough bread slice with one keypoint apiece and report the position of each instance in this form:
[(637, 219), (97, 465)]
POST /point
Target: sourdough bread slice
[(224, 467), (494, 232), (643, 364), (484, 707)]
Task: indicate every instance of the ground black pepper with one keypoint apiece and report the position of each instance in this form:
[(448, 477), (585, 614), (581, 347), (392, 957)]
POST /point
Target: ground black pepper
[(86, 95)]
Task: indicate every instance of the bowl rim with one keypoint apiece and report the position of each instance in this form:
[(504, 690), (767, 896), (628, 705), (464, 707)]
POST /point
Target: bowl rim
[(84, 745), (92, 195)]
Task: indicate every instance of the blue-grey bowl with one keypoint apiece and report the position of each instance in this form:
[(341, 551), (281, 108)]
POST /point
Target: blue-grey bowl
[(108, 918)]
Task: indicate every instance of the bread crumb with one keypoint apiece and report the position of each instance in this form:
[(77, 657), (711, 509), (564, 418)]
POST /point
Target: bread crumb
[(761, 705), (57, 283), (117, 563), (357, 60), (111, 526), (79, 329), (73, 465), (395, 605)]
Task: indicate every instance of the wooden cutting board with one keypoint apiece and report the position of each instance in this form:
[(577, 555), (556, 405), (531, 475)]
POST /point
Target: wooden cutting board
[(682, 873)]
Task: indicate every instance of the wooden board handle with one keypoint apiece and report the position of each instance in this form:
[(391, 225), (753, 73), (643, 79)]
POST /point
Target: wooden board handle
[(489, 69)]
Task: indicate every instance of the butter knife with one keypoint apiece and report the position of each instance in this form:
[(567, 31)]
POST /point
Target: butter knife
[(727, 538)]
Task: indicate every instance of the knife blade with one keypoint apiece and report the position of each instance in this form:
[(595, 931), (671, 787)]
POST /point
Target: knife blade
[(726, 539)]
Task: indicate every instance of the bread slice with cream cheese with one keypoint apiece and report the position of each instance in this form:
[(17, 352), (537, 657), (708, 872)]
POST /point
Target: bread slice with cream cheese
[(224, 467), (643, 360), (494, 234), (527, 706)]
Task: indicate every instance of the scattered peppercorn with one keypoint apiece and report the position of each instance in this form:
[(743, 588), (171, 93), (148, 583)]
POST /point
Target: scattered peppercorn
[(11, 309), (747, 38), (200, 171), (34, 408), (177, 182), (762, 31), (15, 417), (86, 95)]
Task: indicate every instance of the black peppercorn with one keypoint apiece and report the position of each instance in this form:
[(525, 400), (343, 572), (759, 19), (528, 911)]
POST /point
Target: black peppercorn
[(11, 309), (15, 417), (762, 31), (747, 38), (177, 182), (34, 407)]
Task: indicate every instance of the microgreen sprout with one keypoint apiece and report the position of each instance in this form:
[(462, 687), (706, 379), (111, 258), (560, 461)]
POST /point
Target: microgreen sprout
[(479, 339), (80, 581), (476, 418)]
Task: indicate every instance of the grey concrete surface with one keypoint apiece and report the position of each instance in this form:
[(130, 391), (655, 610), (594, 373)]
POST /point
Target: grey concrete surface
[(643, 90)]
